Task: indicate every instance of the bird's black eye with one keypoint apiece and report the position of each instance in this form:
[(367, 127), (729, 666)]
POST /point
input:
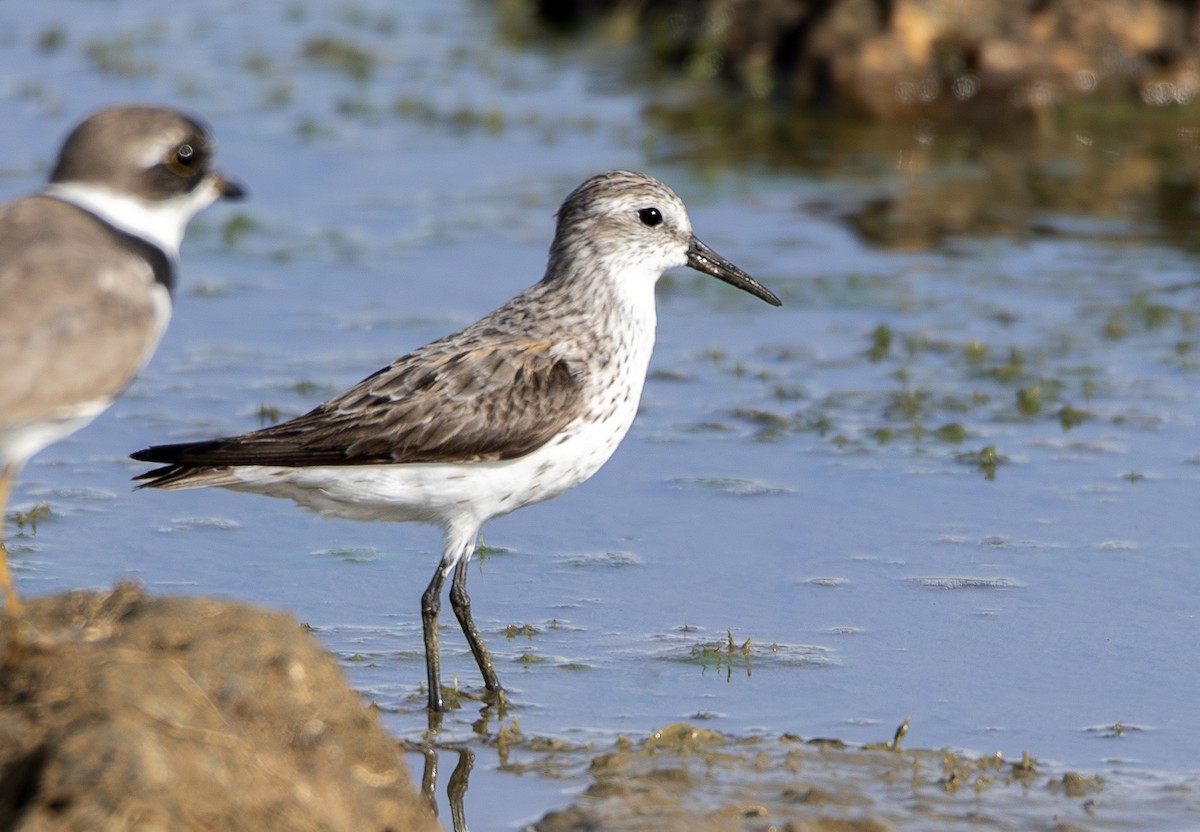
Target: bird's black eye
[(650, 216), (184, 160)]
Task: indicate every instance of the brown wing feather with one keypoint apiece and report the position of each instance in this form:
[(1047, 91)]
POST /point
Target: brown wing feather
[(469, 402)]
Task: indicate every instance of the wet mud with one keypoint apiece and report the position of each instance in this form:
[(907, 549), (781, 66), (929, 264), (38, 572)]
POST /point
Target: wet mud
[(685, 777)]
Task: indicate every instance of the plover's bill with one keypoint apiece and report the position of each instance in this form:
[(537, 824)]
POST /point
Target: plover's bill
[(515, 409), (86, 270)]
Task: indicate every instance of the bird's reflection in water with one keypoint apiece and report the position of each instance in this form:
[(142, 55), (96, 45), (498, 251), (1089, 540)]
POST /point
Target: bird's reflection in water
[(456, 787), (430, 750)]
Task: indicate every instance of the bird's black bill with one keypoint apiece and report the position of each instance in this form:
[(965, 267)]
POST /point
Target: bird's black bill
[(228, 189), (703, 259)]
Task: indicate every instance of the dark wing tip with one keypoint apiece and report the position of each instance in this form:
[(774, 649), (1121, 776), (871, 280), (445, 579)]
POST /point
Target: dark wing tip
[(152, 474), (163, 453), (160, 477)]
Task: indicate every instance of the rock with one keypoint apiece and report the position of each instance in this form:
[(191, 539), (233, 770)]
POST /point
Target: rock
[(140, 713), (917, 59)]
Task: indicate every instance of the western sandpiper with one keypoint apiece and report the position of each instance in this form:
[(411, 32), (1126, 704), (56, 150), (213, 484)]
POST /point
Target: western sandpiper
[(516, 408)]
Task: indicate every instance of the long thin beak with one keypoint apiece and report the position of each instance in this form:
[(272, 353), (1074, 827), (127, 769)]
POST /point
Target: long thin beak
[(228, 188), (703, 259)]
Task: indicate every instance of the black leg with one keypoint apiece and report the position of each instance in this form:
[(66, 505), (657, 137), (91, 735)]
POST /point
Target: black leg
[(431, 603), (460, 602)]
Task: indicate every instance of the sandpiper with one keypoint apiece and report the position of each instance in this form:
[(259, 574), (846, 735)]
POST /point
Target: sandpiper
[(516, 408), (86, 271)]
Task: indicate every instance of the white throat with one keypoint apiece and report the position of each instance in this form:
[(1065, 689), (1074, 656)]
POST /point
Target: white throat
[(161, 223)]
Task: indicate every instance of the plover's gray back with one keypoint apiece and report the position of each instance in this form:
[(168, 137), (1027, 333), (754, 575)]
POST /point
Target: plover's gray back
[(86, 269), (517, 408)]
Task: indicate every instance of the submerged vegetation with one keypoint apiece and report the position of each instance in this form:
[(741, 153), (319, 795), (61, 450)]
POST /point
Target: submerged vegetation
[(983, 364), (27, 521)]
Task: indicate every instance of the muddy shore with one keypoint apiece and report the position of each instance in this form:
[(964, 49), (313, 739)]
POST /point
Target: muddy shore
[(126, 711)]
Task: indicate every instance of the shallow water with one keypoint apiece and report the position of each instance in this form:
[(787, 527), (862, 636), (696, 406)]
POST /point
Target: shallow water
[(811, 478)]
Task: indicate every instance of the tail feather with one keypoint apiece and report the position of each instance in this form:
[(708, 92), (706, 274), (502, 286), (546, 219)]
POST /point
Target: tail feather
[(180, 472), (177, 453), (175, 477)]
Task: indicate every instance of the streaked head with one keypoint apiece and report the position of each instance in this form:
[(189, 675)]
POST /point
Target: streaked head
[(635, 227)]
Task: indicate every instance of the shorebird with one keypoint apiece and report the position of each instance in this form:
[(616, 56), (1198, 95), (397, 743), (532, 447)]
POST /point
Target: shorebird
[(515, 409), (86, 271)]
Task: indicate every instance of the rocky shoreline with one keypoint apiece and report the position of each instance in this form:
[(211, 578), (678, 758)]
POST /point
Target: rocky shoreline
[(906, 59), (126, 711)]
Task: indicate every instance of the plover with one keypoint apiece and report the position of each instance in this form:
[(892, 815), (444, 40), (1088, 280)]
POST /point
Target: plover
[(516, 408), (86, 271)]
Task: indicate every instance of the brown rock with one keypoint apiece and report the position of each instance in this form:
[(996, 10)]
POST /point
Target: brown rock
[(919, 59), (140, 713)]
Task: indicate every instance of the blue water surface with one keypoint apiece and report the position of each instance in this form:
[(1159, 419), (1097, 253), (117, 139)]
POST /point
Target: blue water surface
[(781, 484)]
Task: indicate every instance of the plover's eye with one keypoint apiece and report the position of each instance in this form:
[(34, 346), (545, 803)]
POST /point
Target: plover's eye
[(650, 216), (184, 161)]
